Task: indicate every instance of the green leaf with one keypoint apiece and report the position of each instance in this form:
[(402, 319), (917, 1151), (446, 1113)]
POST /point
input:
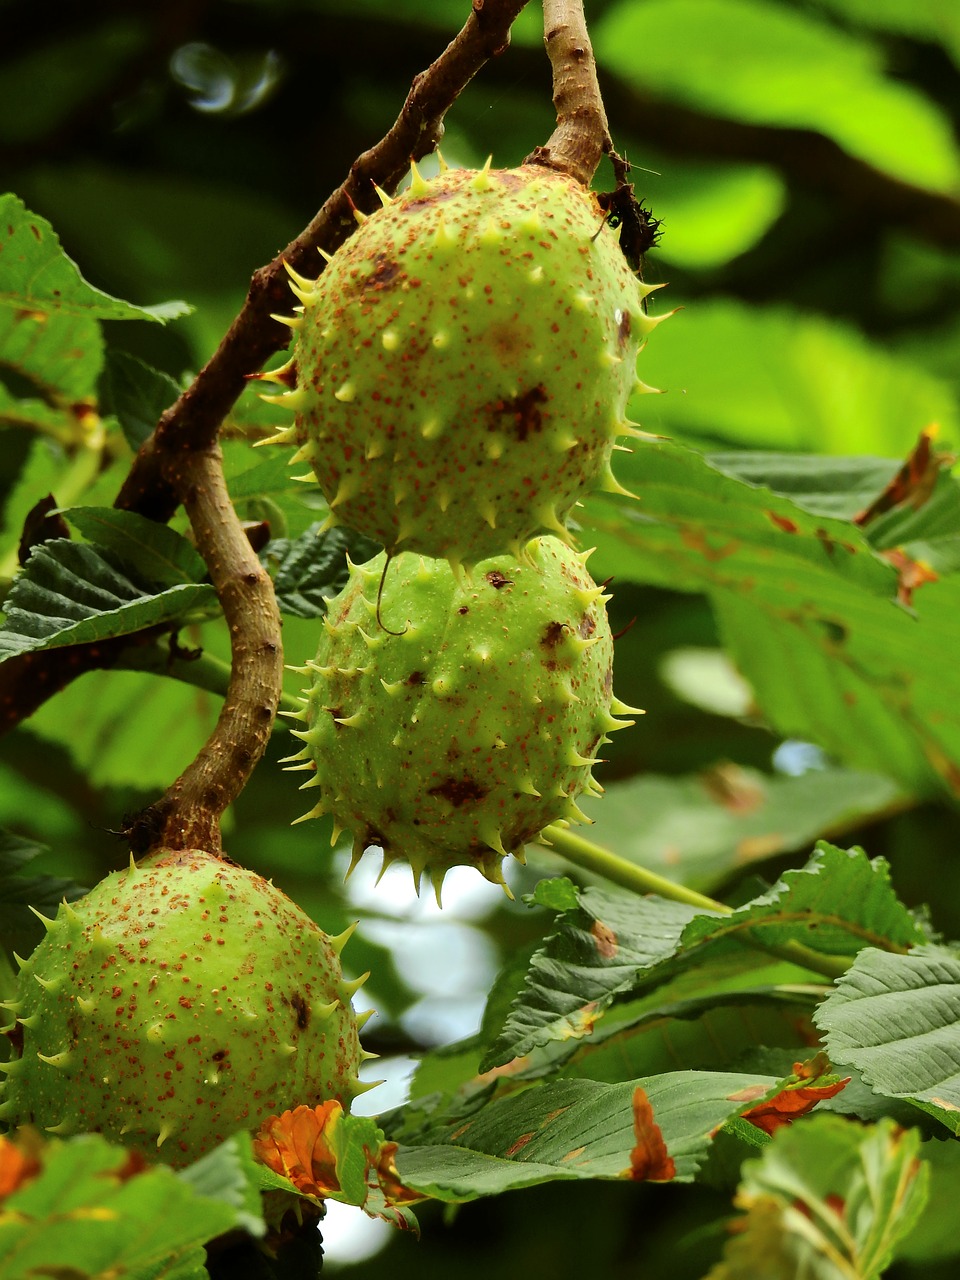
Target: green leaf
[(896, 1018), (38, 276), (840, 902), (90, 1212), (19, 891), (38, 476), (696, 527), (699, 829), (925, 20), (712, 213), (135, 393), (73, 593), (818, 483), (599, 949), (799, 600), (566, 1129), (745, 60), (124, 729), (32, 414), (865, 682), (614, 944), (49, 330), (935, 1235), (230, 1175), (780, 378), (720, 1026), (827, 1200), (845, 487), (157, 553), (309, 570)]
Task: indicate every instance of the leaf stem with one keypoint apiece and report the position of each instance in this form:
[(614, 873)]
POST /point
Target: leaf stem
[(203, 671), (593, 857)]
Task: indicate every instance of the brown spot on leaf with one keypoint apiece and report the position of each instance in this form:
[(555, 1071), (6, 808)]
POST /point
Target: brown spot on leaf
[(911, 574), (498, 580), (19, 1163), (458, 791), (763, 846), (697, 540), (783, 523), (581, 1022), (650, 1161), (795, 1100), (605, 939), (748, 1094), (623, 328), (520, 1143), (416, 677), (733, 788)]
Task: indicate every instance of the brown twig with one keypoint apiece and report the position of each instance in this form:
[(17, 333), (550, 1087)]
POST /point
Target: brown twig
[(161, 470), (188, 816), (582, 135), (194, 420)]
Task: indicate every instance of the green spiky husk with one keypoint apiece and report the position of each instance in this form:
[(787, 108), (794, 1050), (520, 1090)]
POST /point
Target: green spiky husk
[(458, 739), (181, 1000), (474, 342)]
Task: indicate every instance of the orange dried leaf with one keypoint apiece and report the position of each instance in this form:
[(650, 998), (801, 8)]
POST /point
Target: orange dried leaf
[(914, 482), (910, 574), (793, 1101), (650, 1161), (297, 1145), (17, 1167), (383, 1164)]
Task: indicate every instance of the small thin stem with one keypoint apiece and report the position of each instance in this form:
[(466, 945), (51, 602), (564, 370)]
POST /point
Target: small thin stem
[(192, 807), (204, 671), (582, 135), (594, 858)]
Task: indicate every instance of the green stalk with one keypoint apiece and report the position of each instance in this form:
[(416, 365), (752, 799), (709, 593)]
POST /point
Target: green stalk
[(592, 857), (206, 672)]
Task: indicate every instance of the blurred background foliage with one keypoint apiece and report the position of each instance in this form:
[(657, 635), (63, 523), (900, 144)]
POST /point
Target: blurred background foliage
[(803, 157)]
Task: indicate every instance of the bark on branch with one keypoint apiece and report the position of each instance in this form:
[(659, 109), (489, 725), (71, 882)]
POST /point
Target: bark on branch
[(161, 472), (582, 135), (188, 816)]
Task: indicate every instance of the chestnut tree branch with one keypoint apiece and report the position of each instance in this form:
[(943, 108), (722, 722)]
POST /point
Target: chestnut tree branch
[(193, 421), (161, 472), (188, 816), (582, 135)]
